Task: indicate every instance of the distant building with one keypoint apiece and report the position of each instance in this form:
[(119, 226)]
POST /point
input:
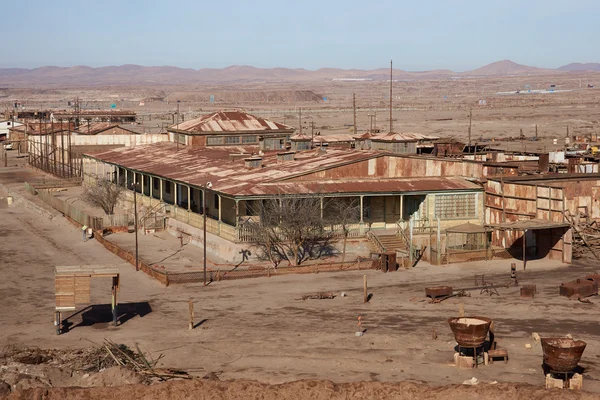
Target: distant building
[(231, 128), (5, 127)]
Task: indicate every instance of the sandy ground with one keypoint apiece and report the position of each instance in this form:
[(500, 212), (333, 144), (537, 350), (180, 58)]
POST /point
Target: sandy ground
[(306, 389), (258, 329)]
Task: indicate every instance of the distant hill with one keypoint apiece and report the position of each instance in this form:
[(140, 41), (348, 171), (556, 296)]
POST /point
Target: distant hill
[(166, 75), (507, 67), (574, 67)]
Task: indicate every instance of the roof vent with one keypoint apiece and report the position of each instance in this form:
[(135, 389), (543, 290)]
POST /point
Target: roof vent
[(254, 162), (285, 156)]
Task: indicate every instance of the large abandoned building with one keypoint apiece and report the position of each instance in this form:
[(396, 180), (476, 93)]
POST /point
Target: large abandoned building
[(248, 159), (228, 161)]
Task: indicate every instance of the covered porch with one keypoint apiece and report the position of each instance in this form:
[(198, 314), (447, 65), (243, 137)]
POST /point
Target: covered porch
[(227, 214)]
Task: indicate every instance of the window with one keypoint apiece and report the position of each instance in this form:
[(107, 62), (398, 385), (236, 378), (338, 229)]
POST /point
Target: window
[(232, 140), (249, 139), (179, 138), (450, 206), (167, 187), (156, 184), (217, 201), (214, 140)]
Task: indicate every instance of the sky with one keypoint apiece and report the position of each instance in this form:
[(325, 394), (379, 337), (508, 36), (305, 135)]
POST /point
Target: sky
[(417, 34)]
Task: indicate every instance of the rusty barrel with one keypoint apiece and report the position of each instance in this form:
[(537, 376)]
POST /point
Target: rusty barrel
[(470, 331), (562, 354)]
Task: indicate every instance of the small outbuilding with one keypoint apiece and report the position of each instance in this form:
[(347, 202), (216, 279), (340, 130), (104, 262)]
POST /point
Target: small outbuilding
[(73, 286)]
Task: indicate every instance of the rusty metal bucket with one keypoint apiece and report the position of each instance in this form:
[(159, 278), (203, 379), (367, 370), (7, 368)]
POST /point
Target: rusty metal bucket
[(562, 354), (470, 331)]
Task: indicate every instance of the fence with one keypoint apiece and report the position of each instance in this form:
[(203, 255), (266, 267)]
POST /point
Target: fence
[(266, 271), (77, 215)]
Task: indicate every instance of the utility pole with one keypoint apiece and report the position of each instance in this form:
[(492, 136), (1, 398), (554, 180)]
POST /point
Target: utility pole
[(300, 119), (470, 120), (391, 82), (312, 133), (354, 109), (177, 134), (536, 132)]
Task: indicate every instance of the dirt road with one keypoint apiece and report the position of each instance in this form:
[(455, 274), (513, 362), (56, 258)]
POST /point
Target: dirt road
[(259, 329)]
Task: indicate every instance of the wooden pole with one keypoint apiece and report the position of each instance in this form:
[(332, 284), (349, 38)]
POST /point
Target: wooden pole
[(365, 291), (191, 304), (461, 310)]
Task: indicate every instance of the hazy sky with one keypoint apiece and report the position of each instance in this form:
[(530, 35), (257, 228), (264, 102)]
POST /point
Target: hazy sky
[(416, 34)]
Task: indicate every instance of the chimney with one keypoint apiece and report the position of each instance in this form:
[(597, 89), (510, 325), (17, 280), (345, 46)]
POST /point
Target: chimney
[(286, 156), (253, 162)]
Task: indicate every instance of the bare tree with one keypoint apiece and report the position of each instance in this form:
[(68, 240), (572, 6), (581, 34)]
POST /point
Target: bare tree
[(290, 228), (343, 212), (103, 194)]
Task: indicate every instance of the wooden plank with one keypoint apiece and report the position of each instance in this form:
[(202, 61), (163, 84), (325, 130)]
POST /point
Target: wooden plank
[(64, 284), (82, 289), (65, 308), (65, 300)]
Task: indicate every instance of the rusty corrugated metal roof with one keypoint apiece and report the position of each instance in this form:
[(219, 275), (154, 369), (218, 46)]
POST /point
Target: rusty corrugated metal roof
[(334, 138), (402, 137), (230, 122), (197, 166), (95, 127)]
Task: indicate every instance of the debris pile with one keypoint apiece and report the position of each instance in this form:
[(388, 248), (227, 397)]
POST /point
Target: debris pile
[(92, 360)]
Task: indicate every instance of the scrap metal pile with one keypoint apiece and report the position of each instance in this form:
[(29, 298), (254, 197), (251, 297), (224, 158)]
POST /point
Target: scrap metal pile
[(586, 236)]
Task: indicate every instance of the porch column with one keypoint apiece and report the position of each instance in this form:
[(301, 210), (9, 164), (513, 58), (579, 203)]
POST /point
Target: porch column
[(362, 210), (126, 181), (96, 167), (142, 184), (175, 194), (384, 212), (321, 207), (151, 192), (118, 176), (160, 188), (237, 213), (189, 198), (402, 207), (220, 209), (524, 250)]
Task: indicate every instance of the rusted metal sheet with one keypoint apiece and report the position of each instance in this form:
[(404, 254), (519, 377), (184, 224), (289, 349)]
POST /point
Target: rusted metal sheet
[(438, 291), (580, 287), (196, 166), (230, 122), (402, 137), (528, 291), (562, 354), (470, 331)]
